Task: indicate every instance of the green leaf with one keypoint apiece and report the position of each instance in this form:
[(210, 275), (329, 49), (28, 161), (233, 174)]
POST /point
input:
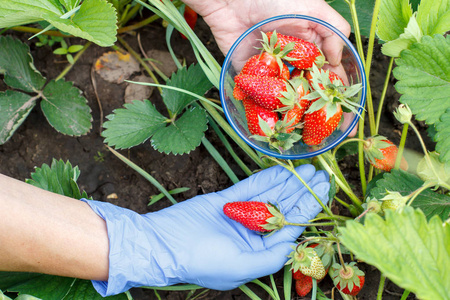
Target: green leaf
[(431, 203), (182, 136), (132, 125), (94, 21), (393, 17), (60, 51), (437, 173), (60, 178), (365, 12), (69, 4), (43, 286), (412, 34), (412, 253), (75, 48), (423, 74), (84, 290), (433, 16), (441, 137), (14, 109), (17, 65), (65, 109), (192, 79), (20, 12)]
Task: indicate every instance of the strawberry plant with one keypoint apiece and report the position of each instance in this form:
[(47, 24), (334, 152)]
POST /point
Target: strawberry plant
[(394, 216)]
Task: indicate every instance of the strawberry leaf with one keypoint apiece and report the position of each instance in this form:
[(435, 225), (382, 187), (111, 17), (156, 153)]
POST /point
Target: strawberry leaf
[(423, 80), (192, 79), (65, 109), (94, 21), (183, 135), (393, 17), (431, 203), (433, 16), (17, 65), (50, 287), (132, 125), (14, 109), (413, 253), (58, 178)]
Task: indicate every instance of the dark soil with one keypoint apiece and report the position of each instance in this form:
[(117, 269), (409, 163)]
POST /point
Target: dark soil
[(104, 177)]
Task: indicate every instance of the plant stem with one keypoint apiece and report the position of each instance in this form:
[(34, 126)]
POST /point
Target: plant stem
[(341, 184), (381, 287), (342, 202), (401, 146), (289, 166), (227, 128), (405, 295), (383, 94), (37, 30), (424, 148), (341, 259), (144, 174), (75, 59), (311, 224), (314, 289)]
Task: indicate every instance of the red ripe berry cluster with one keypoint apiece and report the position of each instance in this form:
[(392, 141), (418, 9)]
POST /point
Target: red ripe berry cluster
[(283, 107)]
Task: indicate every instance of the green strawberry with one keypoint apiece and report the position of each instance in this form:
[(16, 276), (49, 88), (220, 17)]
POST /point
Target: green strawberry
[(307, 261)]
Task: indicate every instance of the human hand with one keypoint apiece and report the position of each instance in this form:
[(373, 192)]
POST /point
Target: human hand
[(194, 242), (229, 19)]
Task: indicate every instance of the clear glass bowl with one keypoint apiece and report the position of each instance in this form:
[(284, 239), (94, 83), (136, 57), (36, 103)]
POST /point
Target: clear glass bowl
[(244, 48)]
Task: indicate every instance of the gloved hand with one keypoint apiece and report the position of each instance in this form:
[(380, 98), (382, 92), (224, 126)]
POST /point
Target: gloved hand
[(194, 242)]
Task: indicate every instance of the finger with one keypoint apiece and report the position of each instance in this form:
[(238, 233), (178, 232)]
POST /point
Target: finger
[(263, 263), (270, 184), (307, 209)]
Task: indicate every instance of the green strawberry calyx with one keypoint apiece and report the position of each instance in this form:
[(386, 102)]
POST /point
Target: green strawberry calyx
[(291, 97), (270, 46), (372, 148), (277, 138), (346, 277), (306, 260), (329, 94), (394, 201), (276, 222)]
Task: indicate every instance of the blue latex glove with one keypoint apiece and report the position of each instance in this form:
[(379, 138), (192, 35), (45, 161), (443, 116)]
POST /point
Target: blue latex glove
[(194, 242)]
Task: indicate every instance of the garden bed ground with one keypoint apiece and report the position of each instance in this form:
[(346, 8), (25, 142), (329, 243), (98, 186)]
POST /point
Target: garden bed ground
[(106, 178)]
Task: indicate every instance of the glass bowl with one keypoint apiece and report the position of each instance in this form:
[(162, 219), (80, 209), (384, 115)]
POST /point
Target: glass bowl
[(245, 47)]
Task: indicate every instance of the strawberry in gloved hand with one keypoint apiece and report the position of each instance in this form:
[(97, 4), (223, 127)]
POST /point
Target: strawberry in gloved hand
[(190, 241)]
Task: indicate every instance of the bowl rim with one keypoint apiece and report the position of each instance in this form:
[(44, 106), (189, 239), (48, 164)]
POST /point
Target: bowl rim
[(274, 153)]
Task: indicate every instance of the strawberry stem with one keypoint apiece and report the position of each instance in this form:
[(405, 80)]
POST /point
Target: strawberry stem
[(310, 224), (401, 146), (341, 259)]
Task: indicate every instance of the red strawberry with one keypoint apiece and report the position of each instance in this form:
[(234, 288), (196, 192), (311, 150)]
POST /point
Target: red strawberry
[(265, 64), (254, 113), (264, 90), (305, 54), (254, 215), (382, 153), (238, 93), (321, 123), (303, 285), (328, 96), (349, 280)]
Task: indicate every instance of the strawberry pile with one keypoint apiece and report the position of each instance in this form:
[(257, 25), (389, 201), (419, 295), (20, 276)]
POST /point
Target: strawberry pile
[(283, 107)]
